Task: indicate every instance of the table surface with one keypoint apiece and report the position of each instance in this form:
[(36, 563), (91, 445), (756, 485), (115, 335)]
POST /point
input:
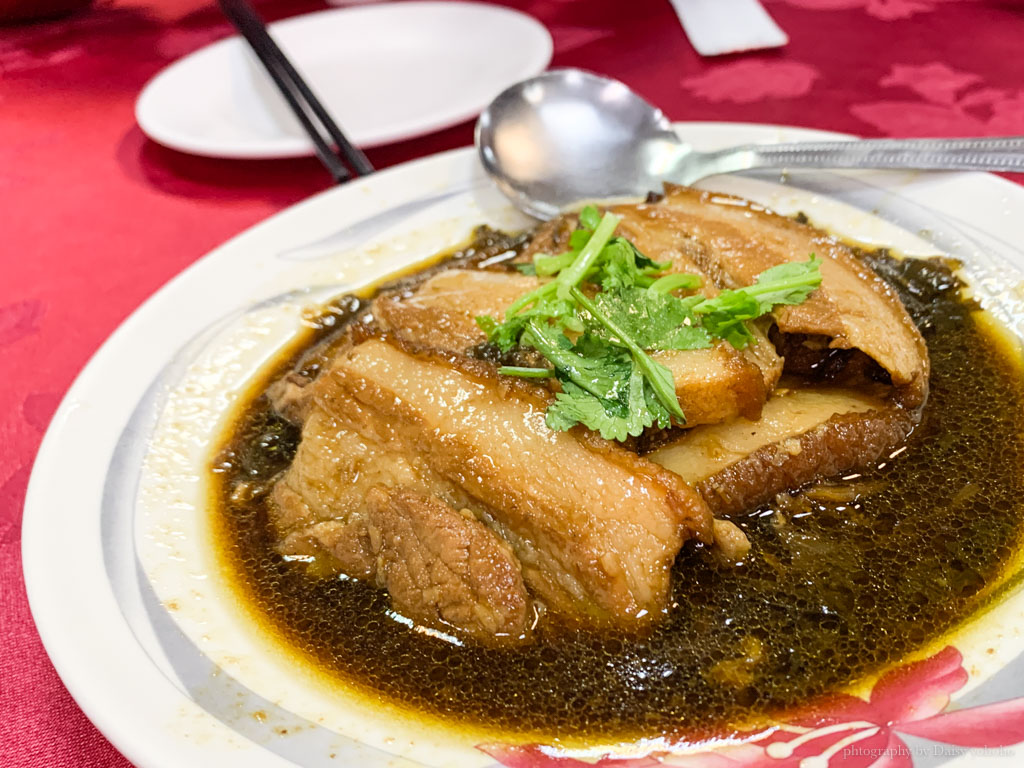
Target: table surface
[(95, 217)]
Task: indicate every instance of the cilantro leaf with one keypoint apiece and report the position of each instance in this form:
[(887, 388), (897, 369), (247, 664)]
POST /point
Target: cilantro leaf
[(623, 266), (654, 320), (726, 314), (684, 337), (658, 412), (658, 375), (602, 372), (574, 405), (789, 283), (617, 419), (578, 239), (502, 335), (590, 217)]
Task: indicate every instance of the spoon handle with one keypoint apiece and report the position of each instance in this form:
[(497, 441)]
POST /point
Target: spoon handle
[(981, 154)]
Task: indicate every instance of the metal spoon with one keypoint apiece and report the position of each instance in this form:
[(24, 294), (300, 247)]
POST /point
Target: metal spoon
[(567, 135)]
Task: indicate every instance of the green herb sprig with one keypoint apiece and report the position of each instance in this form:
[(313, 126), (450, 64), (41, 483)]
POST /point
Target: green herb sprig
[(597, 341)]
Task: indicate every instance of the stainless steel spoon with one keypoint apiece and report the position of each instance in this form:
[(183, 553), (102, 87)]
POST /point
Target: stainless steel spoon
[(567, 135)]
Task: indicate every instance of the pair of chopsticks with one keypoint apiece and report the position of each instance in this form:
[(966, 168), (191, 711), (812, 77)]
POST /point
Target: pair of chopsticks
[(315, 120)]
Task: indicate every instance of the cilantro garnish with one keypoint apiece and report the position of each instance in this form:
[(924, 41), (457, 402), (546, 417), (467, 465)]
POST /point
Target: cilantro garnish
[(606, 305), (726, 314)]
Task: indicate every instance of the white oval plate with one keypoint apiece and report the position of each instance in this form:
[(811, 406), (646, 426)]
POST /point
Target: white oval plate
[(384, 72), (118, 570)]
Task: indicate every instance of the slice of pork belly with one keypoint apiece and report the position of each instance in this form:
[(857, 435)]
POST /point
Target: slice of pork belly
[(733, 240), (802, 435), (721, 382), (441, 313), (595, 528), (443, 568), (384, 517), (711, 384)]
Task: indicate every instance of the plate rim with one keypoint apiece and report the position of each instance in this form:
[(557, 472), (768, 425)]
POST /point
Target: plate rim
[(146, 741), (286, 147), (145, 744)]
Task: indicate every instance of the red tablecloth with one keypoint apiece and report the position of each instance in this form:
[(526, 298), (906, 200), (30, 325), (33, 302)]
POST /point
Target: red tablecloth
[(94, 217)]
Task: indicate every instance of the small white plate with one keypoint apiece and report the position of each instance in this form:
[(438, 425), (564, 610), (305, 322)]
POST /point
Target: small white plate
[(384, 72)]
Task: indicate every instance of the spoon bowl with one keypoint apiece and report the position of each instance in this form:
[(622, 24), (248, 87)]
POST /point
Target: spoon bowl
[(567, 135)]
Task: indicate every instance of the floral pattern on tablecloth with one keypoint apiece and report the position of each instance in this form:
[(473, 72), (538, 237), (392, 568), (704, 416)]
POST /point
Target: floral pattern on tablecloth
[(948, 102), (747, 81), (881, 9)]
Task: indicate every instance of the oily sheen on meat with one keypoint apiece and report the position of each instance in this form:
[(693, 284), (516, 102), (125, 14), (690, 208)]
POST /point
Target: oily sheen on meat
[(593, 527)]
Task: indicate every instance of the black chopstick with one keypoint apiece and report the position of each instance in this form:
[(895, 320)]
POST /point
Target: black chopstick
[(296, 92)]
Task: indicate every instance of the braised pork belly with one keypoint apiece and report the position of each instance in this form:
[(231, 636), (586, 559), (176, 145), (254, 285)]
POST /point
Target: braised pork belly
[(732, 240), (801, 436), (424, 470), (594, 528), (711, 384)]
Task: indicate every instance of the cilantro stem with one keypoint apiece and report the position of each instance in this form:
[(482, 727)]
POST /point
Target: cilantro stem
[(532, 297), (566, 361), (674, 282), (549, 265), (801, 281), (526, 373), (572, 276), (658, 375)]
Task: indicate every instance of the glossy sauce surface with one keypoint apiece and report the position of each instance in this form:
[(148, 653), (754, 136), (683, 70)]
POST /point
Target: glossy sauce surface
[(843, 578)]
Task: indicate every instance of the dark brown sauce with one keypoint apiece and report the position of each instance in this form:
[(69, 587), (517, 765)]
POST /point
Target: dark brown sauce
[(843, 580)]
